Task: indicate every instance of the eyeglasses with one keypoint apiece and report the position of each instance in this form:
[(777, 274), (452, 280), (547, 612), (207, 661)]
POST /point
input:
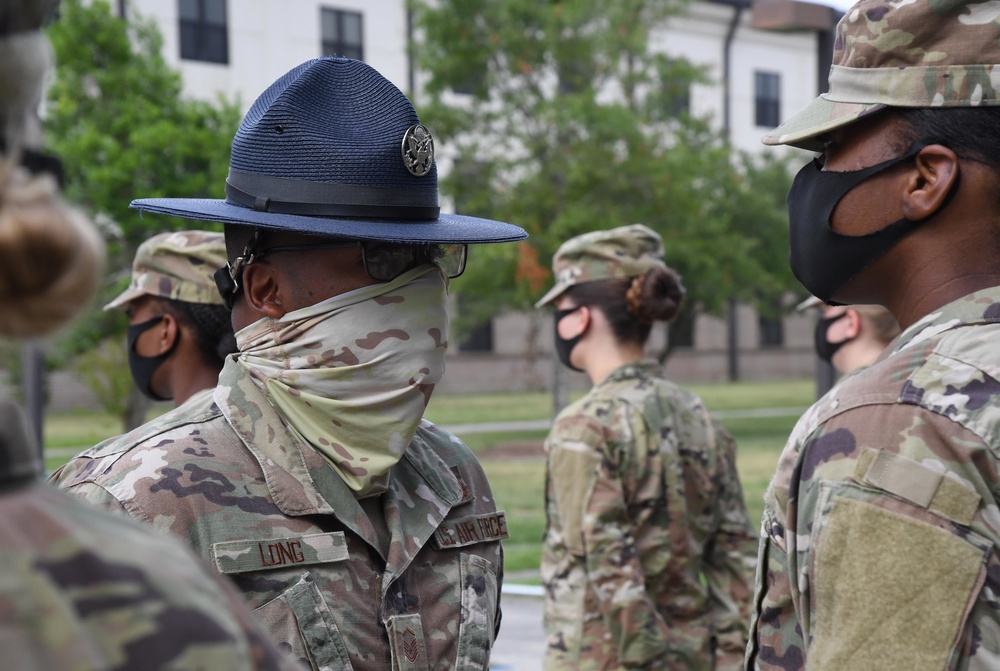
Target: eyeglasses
[(383, 261)]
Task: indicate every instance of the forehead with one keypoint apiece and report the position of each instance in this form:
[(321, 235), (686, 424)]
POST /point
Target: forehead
[(864, 143)]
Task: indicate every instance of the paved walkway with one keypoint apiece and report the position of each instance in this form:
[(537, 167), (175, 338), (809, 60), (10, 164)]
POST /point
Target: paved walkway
[(520, 646)]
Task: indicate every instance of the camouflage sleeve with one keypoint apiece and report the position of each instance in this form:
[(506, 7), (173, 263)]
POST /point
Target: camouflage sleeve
[(879, 530), (775, 635), (729, 558), (592, 502)]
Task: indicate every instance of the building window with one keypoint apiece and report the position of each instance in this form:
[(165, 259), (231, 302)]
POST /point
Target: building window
[(203, 31), (677, 89), (342, 35), (772, 332), (767, 99)]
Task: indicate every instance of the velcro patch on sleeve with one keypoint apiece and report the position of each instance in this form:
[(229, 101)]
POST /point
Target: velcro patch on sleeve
[(469, 530), (914, 482), (273, 553), (878, 575)]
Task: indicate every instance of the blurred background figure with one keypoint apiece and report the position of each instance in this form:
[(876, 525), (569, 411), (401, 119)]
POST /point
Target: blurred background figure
[(81, 588), (647, 544), (179, 330), (851, 337)]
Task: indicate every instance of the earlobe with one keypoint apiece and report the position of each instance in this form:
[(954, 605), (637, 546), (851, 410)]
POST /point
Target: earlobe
[(936, 170), (261, 288)]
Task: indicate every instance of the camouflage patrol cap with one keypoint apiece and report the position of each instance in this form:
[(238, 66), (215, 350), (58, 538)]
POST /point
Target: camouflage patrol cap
[(626, 251), (178, 266), (921, 53)]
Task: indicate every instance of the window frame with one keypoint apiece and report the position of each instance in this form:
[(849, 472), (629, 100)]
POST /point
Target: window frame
[(339, 46), (198, 39)]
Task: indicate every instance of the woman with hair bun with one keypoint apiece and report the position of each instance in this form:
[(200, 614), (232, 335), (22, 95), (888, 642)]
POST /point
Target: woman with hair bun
[(647, 548)]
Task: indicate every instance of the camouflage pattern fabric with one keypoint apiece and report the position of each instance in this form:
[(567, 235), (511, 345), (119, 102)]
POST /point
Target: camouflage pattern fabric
[(86, 590), (922, 53), (333, 585), (617, 253), (880, 536), (178, 266), (311, 366), (648, 548)]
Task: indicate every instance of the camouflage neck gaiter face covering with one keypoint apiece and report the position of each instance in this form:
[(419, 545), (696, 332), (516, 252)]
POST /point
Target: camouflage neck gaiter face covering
[(352, 375)]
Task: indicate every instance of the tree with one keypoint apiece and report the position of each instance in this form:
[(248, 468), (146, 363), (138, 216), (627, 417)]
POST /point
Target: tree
[(562, 117), (117, 119)]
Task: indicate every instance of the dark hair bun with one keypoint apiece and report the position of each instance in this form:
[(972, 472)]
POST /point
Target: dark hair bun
[(655, 296)]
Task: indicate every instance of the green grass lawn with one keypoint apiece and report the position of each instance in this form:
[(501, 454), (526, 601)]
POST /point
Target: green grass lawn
[(518, 483)]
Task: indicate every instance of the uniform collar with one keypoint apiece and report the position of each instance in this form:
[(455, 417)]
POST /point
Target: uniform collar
[(979, 307)]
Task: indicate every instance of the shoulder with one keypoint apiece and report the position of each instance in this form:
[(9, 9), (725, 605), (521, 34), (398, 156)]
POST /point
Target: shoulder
[(182, 433), (954, 375)]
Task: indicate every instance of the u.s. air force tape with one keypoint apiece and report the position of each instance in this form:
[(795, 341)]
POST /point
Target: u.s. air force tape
[(273, 553), (473, 529)]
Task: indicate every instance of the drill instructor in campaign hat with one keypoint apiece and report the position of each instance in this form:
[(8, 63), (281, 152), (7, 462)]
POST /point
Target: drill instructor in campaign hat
[(880, 542), (364, 536)]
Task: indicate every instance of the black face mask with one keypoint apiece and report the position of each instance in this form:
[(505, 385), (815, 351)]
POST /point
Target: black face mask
[(822, 260), (143, 367), (564, 346), (824, 348)]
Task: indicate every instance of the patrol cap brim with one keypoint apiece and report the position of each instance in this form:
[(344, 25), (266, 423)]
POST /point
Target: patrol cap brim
[(124, 298), (810, 302), (821, 116), (553, 293), (446, 228)]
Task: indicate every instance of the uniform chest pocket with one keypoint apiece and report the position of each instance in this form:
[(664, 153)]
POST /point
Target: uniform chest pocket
[(299, 615), (299, 619)]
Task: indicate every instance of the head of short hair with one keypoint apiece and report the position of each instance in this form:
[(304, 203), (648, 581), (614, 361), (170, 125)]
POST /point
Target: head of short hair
[(211, 326)]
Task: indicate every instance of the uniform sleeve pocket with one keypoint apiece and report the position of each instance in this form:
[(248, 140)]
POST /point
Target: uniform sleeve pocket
[(877, 575), (479, 598), (301, 614)]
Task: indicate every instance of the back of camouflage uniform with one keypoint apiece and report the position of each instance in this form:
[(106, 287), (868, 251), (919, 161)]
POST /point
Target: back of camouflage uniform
[(648, 544)]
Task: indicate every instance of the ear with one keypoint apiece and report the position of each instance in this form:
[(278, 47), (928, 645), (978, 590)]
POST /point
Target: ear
[(585, 318), (853, 323), (261, 288), (928, 185), (167, 332)]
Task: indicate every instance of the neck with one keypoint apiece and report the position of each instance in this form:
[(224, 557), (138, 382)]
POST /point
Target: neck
[(610, 357), (194, 379)]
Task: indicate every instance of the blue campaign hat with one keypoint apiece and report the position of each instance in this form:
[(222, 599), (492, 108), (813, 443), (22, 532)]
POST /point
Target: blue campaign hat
[(333, 148)]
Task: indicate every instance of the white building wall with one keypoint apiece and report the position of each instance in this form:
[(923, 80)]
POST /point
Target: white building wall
[(700, 35), (267, 38)]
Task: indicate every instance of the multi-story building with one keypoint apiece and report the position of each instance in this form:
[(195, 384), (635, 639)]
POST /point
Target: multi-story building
[(766, 60)]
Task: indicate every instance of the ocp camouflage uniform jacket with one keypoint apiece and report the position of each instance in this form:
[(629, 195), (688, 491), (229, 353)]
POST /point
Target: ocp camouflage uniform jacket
[(86, 590), (879, 542), (646, 550), (335, 590)]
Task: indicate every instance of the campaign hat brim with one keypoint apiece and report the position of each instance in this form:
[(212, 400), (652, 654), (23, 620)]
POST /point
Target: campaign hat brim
[(446, 228)]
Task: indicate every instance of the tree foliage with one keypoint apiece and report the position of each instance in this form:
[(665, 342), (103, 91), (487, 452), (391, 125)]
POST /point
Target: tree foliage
[(117, 118), (569, 116)]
